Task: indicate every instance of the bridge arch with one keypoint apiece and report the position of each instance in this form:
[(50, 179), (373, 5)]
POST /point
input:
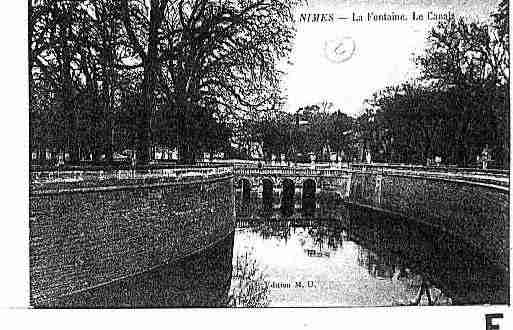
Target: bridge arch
[(287, 194), (267, 192), (245, 186), (308, 197)]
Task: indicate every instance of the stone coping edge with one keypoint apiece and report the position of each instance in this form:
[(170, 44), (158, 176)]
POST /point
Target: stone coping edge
[(43, 192)]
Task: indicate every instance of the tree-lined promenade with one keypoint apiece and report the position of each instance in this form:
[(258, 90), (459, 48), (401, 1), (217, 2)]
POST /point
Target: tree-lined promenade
[(112, 75), (202, 76)]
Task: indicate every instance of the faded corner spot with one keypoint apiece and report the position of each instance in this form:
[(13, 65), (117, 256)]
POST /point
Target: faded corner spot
[(340, 49)]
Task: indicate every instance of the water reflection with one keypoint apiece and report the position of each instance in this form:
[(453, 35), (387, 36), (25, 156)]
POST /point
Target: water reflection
[(250, 286), (331, 256), (449, 263), (287, 197), (267, 194), (355, 257)]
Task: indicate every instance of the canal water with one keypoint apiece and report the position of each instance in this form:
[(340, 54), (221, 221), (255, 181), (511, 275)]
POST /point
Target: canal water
[(329, 255), (338, 255)]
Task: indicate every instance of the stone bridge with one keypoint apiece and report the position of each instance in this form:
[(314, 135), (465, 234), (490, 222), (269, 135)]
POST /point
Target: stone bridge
[(467, 203), (295, 183)]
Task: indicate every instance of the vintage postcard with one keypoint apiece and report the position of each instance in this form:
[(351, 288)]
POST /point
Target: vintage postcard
[(269, 153)]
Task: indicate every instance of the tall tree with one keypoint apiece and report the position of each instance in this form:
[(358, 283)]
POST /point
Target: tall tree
[(150, 20), (225, 53), (471, 60), (193, 61), (458, 107)]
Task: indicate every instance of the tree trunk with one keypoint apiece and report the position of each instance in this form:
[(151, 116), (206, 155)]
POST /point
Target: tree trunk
[(67, 92), (148, 86), (144, 116), (187, 155), (505, 130), (108, 91)]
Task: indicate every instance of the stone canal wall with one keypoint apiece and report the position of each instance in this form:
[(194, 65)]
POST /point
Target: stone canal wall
[(83, 238), (475, 211)]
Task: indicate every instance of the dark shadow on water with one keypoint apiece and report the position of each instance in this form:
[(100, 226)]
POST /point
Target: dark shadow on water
[(443, 269), (448, 262), (438, 268), (246, 190), (308, 207), (287, 210)]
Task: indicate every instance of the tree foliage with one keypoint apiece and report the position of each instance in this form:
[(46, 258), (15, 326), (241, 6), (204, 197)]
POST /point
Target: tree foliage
[(152, 72), (458, 107), (313, 129)]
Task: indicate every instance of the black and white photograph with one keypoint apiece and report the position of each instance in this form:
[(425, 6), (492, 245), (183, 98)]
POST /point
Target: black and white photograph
[(236, 154)]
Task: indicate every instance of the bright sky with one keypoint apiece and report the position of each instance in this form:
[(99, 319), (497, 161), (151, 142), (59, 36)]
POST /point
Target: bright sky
[(383, 50)]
